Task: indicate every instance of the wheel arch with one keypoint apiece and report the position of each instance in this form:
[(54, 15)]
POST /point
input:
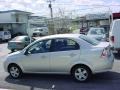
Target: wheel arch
[(80, 64), (13, 64)]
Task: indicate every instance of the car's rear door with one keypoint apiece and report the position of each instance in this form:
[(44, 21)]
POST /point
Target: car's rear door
[(63, 52)]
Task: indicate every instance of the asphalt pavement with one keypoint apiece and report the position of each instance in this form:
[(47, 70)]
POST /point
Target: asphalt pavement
[(105, 81)]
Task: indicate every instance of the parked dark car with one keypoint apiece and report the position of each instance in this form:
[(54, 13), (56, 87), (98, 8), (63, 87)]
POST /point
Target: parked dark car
[(19, 42)]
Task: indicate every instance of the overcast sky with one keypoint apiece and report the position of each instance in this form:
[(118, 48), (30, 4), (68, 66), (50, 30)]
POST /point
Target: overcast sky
[(40, 7)]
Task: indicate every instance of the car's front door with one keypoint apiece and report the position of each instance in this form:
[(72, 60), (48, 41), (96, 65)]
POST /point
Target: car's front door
[(63, 52), (37, 58)]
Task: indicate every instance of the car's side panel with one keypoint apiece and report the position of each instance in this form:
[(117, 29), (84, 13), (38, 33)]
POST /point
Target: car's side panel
[(60, 61), (32, 63)]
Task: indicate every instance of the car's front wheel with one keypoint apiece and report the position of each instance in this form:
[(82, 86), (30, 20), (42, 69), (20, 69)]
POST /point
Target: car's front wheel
[(81, 73), (15, 71)]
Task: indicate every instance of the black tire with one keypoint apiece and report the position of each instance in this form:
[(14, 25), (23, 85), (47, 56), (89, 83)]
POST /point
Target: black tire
[(15, 71), (40, 34), (0, 40), (13, 50), (85, 73)]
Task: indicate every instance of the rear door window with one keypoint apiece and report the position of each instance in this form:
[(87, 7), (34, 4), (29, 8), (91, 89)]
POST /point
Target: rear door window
[(62, 44)]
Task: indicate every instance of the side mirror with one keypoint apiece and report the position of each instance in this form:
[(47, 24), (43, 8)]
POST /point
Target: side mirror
[(27, 53)]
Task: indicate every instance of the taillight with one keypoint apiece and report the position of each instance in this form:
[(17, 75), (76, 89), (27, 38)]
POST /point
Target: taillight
[(106, 52), (112, 39)]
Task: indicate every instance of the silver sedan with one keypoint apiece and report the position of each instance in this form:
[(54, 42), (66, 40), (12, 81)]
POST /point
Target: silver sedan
[(73, 54), (19, 42)]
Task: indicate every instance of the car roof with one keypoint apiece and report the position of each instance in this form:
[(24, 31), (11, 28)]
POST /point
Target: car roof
[(22, 36), (61, 36)]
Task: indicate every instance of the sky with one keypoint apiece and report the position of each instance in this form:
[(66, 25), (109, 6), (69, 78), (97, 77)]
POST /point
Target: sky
[(60, 7)]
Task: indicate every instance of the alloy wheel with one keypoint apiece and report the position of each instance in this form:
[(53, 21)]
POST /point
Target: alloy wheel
[(15, 71)]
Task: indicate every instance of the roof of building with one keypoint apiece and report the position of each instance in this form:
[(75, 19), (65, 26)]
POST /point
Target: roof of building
[(18, 11), (37, 17)]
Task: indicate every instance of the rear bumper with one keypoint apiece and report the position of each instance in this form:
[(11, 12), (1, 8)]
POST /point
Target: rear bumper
[(106, 65)]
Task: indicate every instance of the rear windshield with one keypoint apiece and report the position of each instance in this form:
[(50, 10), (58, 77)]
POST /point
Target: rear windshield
[(97, 31), (89, 40), (19, 38), (36, 30)]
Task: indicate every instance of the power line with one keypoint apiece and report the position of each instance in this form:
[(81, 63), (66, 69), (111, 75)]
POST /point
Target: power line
[(86, 4)]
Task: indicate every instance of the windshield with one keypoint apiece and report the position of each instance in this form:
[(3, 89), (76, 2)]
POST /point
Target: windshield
[(89, 40), (98, 31), (36, 30), (6, 33)]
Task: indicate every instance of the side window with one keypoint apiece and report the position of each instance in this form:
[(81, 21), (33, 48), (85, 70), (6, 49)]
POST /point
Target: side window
[(93, 31), (40, 47), (64, 45), (27, 39)]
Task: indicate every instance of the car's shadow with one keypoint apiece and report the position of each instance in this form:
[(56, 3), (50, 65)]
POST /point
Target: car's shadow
[(64, 82), (3, 42)]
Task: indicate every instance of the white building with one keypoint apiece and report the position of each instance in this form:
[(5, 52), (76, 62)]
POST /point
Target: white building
[(14, 20), (100, 19), (37, 21)]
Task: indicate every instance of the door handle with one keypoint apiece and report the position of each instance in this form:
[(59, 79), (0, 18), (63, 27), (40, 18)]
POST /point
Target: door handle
[(43, 57), (72, 54)]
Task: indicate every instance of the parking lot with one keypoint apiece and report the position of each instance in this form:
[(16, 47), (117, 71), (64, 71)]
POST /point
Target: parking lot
[(104, 81)]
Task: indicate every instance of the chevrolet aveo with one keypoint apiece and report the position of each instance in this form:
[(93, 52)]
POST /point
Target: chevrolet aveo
[(73, 54)]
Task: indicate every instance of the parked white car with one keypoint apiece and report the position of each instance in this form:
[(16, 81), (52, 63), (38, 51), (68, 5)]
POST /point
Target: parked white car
[(97, 33), (5, 35), (74, 54), (114, 36), (40, 31)]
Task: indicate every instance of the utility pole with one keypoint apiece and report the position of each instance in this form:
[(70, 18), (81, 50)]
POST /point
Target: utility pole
[(50, 6), (51, 25)]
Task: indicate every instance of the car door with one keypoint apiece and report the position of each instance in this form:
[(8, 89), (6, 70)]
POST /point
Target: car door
[(37, 57), (63, 52)]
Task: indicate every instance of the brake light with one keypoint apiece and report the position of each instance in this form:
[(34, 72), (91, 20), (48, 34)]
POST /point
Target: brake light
[(112, 39), (106, 52)]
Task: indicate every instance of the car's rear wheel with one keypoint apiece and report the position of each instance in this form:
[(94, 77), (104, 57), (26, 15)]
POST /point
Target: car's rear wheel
[(13, 50), (0, 40), (81, 73), (15, 71)]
